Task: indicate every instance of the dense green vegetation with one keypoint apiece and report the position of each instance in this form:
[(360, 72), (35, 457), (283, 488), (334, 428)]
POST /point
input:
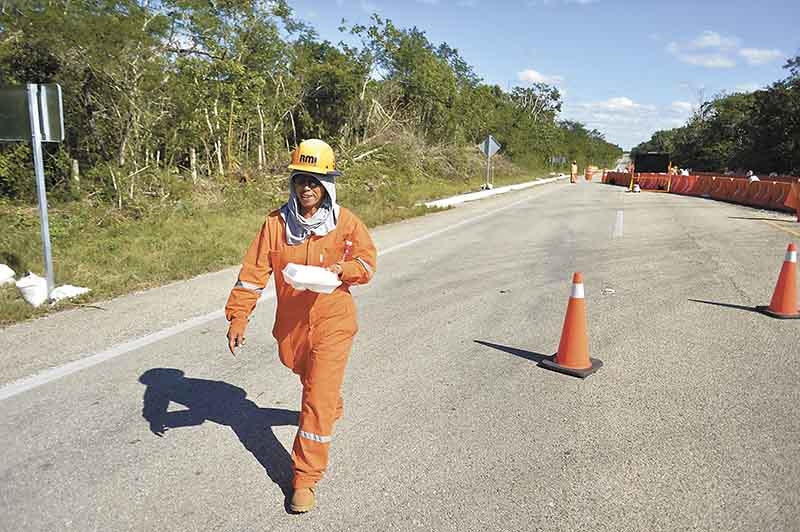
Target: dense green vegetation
[(239, 83), (757, 131), (181, 115)]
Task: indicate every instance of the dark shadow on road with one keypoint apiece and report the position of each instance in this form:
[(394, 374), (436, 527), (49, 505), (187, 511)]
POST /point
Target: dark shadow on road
[(529, 355), (727, 305), (222, 403), (782, 220)]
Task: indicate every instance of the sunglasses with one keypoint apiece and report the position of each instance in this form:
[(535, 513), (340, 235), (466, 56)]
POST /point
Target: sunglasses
[(306, 181)]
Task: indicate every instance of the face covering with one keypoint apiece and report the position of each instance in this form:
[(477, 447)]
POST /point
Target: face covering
[(298, 228)]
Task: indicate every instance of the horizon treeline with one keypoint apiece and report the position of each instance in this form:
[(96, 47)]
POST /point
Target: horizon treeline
[(209, 91)]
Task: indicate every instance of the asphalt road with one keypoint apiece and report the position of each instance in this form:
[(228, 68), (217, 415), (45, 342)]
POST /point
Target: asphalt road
[(692, 423)]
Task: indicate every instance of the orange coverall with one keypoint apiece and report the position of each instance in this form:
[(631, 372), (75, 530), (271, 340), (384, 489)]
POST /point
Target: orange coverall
[(314, 331)]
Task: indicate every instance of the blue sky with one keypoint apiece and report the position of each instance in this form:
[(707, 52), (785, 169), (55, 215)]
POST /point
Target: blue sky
[(625, 68)]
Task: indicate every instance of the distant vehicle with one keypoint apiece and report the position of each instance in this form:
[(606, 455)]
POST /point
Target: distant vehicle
[(651, 162)]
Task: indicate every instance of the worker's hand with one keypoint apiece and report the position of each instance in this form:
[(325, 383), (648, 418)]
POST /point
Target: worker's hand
[(236, 335), (336, 268)]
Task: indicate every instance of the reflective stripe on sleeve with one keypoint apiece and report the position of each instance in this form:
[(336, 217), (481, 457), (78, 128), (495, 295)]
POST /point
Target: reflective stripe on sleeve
[(365, 265), (249, 286), (314, 437)]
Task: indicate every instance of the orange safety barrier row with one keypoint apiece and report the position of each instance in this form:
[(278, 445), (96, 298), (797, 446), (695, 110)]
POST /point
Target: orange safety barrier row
[(621, 179), (781, 195), (776, 178)]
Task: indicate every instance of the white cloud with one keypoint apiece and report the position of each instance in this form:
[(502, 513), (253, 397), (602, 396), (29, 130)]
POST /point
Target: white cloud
[(709, 49), (759, 56), (748, 87), (532, 76), (714, 50), (616, 104), (682, 107), (712, 39), (708, 60), (626, 122)]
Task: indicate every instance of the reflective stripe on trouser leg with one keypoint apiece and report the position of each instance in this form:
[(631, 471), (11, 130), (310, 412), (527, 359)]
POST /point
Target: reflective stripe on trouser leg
[(321, 386)]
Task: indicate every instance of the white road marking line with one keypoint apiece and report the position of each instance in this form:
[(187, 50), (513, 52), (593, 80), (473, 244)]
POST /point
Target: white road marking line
[(39, 379), (618, 230)]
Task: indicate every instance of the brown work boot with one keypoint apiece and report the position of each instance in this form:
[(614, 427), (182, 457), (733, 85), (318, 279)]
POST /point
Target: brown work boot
[(302, 500)]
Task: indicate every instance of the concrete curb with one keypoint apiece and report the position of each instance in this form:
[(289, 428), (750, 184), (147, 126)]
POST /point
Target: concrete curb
[(472, 196)]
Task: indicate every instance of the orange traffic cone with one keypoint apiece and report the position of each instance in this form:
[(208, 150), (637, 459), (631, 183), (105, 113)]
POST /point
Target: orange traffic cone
[(572, 357), (784, 299)]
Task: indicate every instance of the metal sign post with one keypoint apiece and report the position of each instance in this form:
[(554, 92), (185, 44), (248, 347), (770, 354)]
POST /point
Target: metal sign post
[(489, 147), (44, 119), (41, 193)]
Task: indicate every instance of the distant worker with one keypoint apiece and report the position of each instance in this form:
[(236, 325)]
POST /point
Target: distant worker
[(685, 172), (672, 170), (751, 176), (573, 172), (314, 331)]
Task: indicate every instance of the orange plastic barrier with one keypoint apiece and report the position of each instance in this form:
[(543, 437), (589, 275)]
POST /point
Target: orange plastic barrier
[(766, 197), (645, 182), (652, 181), (701, 187), (740, 193), (759, 191), (677, 182), (793, 199), (781, 193), (683, 184), (715, 189), (691, 182), (728, 189), (779, 197)]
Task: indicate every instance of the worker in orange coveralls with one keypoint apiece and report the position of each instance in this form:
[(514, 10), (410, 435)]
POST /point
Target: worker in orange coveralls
[(314, 331), (573, 172)]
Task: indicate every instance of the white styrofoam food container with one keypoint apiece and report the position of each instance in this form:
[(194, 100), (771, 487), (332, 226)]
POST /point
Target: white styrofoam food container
[(313, 278)]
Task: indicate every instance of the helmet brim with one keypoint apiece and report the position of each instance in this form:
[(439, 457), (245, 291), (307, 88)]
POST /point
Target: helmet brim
[(313, 170)]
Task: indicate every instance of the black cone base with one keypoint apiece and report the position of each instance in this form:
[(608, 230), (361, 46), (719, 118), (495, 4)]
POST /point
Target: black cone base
[(550, 363), (766, 311)]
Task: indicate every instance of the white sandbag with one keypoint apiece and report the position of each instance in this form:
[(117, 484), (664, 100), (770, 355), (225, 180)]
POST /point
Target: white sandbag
[(33, 289), (6, 275), (313, 278), (67, 291)]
